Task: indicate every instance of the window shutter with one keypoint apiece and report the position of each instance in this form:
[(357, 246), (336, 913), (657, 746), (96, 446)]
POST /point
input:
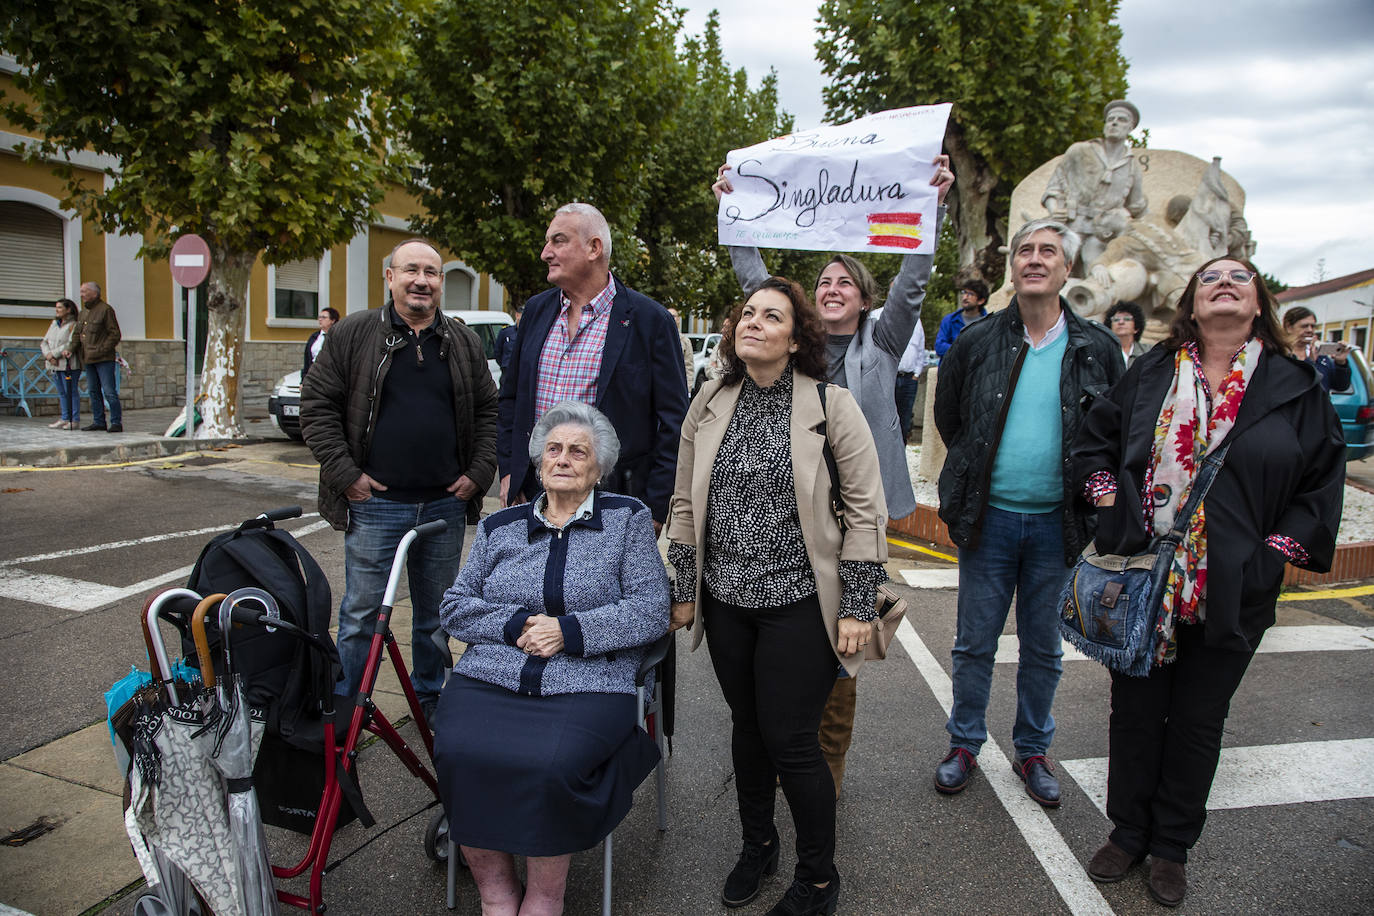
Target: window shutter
[(32, 266), (299, 275)]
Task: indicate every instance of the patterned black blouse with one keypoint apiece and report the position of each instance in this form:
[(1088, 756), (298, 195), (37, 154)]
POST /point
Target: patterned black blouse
[(755, 554)]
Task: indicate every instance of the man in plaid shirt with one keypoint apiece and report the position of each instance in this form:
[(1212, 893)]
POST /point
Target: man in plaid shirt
[(593, 339)]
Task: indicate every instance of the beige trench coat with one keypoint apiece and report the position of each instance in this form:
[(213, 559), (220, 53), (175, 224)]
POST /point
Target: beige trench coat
[(860, 485)]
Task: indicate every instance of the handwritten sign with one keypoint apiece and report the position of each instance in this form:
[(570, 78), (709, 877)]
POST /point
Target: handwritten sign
[(861, 186)]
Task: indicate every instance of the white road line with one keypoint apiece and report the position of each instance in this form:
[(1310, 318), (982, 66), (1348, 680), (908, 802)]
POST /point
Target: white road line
[(1069, 879), (931, 578), (151, 539), (1279, 774), (11, 911), (77, 595), (1337, 638)]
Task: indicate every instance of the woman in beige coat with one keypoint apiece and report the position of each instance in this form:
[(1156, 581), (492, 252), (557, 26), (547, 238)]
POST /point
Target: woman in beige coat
[(64, 365), (783, 594)]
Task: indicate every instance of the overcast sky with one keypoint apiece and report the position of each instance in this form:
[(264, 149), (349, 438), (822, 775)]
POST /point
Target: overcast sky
[(1281, 90)]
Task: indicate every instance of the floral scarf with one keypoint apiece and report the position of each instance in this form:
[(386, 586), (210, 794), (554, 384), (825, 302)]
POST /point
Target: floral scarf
[(1192, 422)]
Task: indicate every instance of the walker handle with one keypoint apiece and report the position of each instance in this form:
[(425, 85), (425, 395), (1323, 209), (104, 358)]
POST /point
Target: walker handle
[(428, 528)]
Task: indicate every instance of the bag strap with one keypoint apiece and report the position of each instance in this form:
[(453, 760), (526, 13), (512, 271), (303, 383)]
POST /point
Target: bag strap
[(1210, 466), (836, 498)]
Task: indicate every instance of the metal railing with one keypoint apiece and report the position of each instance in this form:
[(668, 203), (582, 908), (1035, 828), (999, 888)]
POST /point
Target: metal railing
[(24, 376)]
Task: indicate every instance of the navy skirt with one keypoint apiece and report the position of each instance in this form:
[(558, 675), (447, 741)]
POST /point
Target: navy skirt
[(536, 776)]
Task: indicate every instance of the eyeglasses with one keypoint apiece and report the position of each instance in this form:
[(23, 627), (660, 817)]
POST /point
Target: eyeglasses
[(1121, 319), (411, 271), (1239, 277)]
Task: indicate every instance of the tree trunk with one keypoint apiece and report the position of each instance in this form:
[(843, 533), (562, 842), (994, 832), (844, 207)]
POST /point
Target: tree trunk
[(219, 378), (971, 196)]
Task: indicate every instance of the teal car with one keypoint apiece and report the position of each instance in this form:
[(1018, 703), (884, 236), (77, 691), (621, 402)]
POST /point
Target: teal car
[(1355, 407)]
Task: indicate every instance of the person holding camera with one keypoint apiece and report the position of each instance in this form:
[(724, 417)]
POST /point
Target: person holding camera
[(1332, 358)]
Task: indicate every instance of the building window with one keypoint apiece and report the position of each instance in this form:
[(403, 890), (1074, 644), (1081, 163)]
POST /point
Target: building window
[(1361, 338), (298, 289), (32, 266), (1337, 335)]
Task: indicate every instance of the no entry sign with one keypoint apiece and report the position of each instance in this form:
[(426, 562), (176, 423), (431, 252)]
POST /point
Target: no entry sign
[(190, 261)]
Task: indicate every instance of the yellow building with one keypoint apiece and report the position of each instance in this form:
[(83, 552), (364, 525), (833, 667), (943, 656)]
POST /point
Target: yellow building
[(48, 251)]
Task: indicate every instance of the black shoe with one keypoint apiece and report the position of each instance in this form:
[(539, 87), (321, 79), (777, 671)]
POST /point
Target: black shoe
[(804, 899), (1168, 882), (93, 428), (116, 428), (1041, 783), (1111, 863), (743, 883), (953, 773)]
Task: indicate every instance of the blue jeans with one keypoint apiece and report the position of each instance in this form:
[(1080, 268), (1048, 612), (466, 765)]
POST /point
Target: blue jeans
[(905, 390), (101, 385), (1025, 554), (68, 382), (375, 529)]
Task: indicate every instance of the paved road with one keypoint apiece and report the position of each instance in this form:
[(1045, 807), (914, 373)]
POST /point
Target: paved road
[(1292, 828)]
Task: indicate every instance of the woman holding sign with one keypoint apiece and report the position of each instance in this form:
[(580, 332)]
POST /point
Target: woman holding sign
[(863, 353)]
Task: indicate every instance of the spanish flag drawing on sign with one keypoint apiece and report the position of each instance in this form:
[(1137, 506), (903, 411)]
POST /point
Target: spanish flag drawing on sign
[(895, 230)]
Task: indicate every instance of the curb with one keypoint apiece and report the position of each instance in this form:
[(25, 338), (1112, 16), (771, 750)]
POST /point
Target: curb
[(1352, 561), (65, 456)]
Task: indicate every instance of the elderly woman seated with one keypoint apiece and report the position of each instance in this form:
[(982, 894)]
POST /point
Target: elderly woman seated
[(536, 747)]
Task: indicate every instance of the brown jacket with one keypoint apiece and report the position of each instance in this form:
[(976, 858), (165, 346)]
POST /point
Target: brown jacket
[(341, 394), (860, 484), (97, 333)]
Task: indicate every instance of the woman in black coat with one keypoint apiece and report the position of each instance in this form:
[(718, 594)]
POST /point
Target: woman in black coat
[(1222, 376)]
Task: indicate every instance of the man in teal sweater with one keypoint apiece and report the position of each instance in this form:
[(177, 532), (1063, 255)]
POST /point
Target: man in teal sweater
[(1011, 393)]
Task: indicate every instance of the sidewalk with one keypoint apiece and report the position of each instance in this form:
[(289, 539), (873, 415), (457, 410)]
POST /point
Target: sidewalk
[(29, 441)]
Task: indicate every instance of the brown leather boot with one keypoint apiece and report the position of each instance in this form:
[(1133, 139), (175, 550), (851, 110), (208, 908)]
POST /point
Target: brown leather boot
[(837, 727)]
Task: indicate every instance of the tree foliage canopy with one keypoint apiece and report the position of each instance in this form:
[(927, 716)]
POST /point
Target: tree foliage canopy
[(520, 109), (260, 125), (1027, 77), (248, 123)]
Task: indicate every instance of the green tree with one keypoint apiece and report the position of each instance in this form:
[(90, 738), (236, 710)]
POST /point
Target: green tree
[(1273, 283), (259, 125), (523, 106), (682, 266), (1026, 79)]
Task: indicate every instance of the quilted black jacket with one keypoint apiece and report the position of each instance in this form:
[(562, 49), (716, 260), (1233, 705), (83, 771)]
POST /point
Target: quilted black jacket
[(341, 393), (974, 387)]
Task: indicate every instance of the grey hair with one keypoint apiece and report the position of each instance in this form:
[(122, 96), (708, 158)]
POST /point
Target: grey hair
[(594, 224), (1068, 239), (605, 443), (92, 283)]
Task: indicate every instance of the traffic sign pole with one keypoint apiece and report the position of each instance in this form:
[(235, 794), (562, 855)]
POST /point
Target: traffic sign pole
[(190, 267)]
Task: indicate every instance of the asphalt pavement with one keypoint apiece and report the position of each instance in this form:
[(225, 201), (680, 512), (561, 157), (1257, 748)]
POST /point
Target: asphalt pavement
[(1291, 827)]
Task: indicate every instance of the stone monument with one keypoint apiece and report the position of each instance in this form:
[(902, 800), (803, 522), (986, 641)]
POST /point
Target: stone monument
[(1149, 218)]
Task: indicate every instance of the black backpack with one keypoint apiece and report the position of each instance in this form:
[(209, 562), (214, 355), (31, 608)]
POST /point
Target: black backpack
[(282, 676)]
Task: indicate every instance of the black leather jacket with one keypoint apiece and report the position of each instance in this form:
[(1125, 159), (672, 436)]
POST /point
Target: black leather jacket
[(975, 384)]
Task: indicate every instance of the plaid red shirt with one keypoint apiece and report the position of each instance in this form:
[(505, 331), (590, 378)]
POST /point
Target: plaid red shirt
[(568, 371)]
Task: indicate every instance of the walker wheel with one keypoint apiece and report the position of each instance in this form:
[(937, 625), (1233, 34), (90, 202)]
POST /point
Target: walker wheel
[(436, 837)]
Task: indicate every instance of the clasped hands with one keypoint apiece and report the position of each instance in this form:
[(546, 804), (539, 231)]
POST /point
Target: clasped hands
[(541, 636)]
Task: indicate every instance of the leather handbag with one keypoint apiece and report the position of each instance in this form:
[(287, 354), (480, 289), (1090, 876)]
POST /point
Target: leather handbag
[(890, 606), (1110, 607)]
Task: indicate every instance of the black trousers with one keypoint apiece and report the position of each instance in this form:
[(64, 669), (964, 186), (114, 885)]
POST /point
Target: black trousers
[(1165, 742), (776, 667)]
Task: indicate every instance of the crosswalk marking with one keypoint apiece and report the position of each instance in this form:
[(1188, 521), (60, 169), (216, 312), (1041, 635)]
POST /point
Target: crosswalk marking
[(1060, 865), (1251, 777), (1337, 638), (931, 578), (78, 595)]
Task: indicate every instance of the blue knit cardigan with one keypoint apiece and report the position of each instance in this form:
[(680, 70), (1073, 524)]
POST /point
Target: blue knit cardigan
[(602, 576)]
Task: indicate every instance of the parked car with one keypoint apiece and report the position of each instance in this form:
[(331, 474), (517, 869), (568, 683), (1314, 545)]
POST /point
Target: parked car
[(1355, 407), (703, 348), (284, 404)]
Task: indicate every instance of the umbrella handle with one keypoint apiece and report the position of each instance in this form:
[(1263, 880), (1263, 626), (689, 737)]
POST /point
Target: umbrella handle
[(152, 636), (207, 661), (234, 599)]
